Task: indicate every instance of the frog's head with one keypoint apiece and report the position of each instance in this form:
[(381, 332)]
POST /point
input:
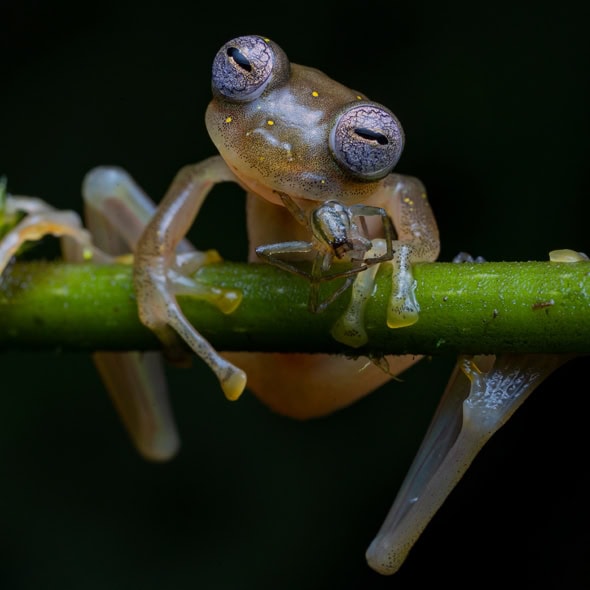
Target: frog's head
[(289, 129)]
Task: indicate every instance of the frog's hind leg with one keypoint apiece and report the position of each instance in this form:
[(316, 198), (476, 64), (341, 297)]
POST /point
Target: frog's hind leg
[(134, 380), (137, 386), (481, 396), (117, 211)]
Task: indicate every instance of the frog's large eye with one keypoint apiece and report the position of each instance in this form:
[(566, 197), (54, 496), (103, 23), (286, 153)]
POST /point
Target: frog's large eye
[(243, 67), (367, 140)]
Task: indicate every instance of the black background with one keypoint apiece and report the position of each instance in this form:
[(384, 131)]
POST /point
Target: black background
[(494, 102)]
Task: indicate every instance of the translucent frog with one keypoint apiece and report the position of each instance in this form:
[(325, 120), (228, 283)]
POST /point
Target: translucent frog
[(316, 161)]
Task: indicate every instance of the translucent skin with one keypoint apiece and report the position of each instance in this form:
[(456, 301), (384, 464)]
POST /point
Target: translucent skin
[(481, 396), (278, 142)]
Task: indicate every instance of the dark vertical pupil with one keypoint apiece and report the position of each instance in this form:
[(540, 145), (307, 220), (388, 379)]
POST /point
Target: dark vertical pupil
[(239, 58), (371, 135)]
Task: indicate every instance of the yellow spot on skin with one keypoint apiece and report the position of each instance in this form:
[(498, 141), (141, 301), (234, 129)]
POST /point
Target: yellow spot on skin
[(266, 39), (270, 122), (359, 97), (322, 181), (315, 93), (228, 119), (408, 201)]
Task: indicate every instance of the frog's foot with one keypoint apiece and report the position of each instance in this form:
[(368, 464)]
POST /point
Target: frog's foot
[(158, 310), (475, 405), (350, 327), (42, 220), (403, 307), (182, 279)]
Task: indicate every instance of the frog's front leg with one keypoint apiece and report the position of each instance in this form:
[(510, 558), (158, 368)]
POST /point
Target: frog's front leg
[(155, 259), (304, 385), (482, 394), (336, 236), (404, 199)]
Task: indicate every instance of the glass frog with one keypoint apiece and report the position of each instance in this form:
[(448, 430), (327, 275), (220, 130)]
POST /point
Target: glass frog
[(316, 161), (314, 157)]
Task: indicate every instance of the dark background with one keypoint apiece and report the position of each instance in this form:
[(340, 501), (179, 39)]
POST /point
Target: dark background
[(494, 103)]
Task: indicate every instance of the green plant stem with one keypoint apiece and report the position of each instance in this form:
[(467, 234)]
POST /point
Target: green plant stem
[(468, 308)]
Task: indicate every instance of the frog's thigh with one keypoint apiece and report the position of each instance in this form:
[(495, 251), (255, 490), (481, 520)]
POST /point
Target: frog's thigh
[(117, 211), (311, 385)]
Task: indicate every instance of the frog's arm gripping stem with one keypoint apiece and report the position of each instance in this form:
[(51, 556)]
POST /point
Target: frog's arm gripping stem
[(155, 258)]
